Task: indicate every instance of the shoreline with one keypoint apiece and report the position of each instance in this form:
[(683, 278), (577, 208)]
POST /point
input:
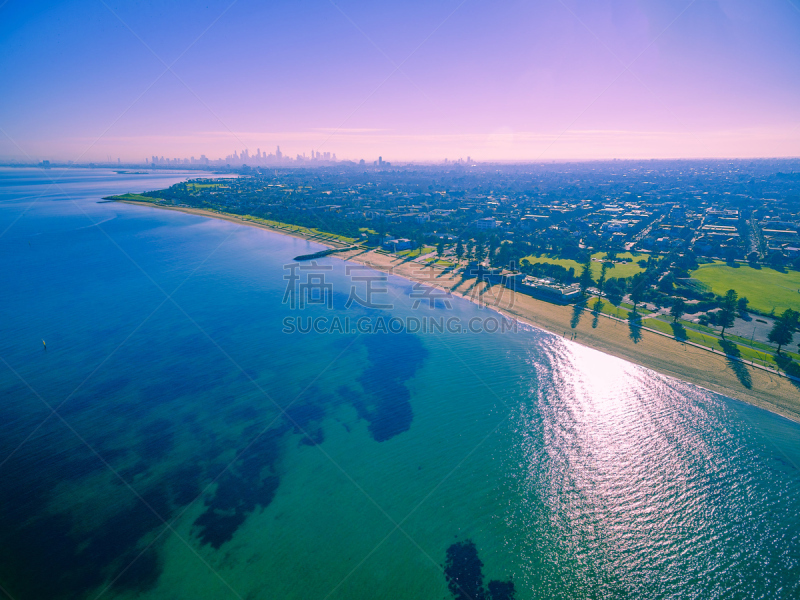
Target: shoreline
[(769, 391)]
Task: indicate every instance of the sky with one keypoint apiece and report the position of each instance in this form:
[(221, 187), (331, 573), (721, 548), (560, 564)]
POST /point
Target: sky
[(409, 81)]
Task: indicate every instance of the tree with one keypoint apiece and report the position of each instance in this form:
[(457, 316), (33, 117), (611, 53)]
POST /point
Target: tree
[(776, 260), (614, 291), (492, 244), (666, 284), (459, 249), (506, 255), (678, 309), (478, 251), (420, 241), (784, 327), (601, 283), (741, 305), (727, 315), (480, 241), (637, 289), (585, 279), (440, 248), (383, 229)]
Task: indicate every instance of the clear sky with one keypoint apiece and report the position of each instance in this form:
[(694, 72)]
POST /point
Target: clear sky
[(428, 80)]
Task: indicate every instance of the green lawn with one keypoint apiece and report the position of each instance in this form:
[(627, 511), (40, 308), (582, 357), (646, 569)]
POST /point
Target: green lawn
[(619, 270), (658, 325), (765, 288), (135, 198), (334, 236), (298, 229), (200, 186), (710, 341), (755, 351), (620, 312), (417, 251)]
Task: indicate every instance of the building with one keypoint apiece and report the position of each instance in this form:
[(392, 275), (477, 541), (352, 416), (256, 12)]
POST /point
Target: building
[(549, 289), (486, 223), (397, 245)]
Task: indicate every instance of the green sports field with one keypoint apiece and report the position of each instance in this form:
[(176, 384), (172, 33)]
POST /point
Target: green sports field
[(765, 288), (619, 270)]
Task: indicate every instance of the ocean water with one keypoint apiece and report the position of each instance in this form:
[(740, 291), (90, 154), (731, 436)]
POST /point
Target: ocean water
[(173, 441)]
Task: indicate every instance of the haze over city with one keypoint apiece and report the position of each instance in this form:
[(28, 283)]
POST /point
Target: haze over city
[(411, 81)]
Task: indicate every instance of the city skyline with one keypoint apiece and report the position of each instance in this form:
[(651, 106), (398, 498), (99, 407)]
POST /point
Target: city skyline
[(245, 158), (569, 80)]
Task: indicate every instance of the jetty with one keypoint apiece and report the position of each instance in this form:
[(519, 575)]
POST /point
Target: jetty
[(325, 252)]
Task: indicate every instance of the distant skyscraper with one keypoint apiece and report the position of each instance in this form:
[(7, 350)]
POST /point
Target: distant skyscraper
[(278, 153)]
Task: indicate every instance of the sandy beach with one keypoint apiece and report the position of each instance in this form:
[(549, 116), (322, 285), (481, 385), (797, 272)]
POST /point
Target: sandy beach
[(662, 354)]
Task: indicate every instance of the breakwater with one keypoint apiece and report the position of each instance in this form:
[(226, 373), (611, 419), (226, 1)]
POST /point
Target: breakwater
[(326, 252)]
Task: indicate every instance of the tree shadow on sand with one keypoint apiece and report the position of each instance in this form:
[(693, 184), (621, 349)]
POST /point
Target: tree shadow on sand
[(465, 277), (732, 352), (492, 293), (789, 367), (635, 326), (446, 271), (596, 311), (577, 311)]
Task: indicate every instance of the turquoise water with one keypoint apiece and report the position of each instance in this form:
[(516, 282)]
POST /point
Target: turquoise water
[(198, 451)]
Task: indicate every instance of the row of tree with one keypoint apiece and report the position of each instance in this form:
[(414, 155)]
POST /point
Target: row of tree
[(783, 329)]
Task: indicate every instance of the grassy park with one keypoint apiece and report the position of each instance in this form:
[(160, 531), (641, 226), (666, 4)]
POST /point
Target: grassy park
[(766, 289), (618, 270), (417, 252), (201, 186), (133, 198), (746, 349), (311, 233), (620, 312)]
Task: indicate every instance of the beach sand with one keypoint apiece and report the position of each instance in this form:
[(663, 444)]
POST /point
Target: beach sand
[(662, 354)]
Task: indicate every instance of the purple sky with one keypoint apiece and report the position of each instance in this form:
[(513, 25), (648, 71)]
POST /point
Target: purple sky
[(515, 80)]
